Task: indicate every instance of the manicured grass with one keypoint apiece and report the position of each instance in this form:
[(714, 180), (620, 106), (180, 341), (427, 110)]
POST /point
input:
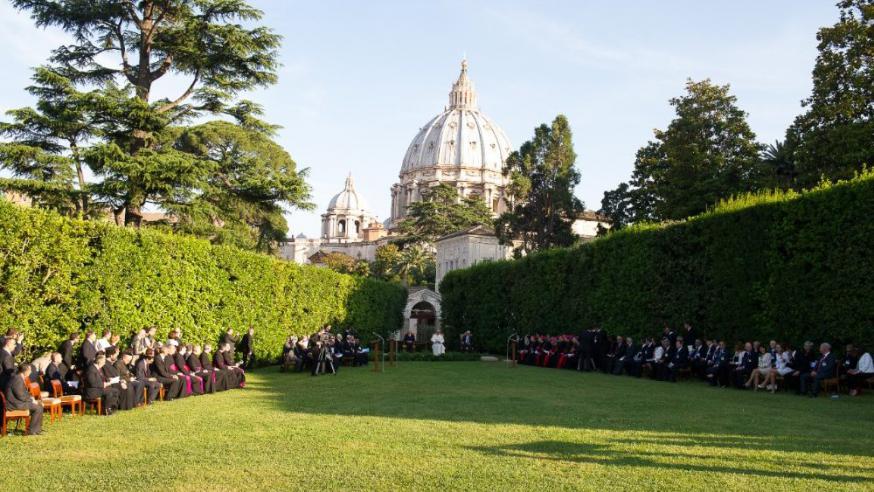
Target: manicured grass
[(460, 425)]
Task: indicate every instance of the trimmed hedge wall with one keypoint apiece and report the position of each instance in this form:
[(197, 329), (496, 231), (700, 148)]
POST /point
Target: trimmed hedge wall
[(59, 275), (786, 266)]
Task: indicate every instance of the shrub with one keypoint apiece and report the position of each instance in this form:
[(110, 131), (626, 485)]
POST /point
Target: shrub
[(786, 266), (59, 275)]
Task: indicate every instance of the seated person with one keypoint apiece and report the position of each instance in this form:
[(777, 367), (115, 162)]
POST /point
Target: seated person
[(219, 361), (288, 355), (782, 362), (173, 385), (679, 359), (127, 398), (194, 384), (230, 360), (802, 363), (863, 371), (95, 385), (719, 365), (143, 372), (123, 369), (824, 368), (410, 342), (207, 376), (18, 397), (660, 360), (742, 364), (220, 377), (56, 371), (762, 372)]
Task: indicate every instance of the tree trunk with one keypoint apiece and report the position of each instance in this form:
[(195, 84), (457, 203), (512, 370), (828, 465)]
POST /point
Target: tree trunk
[(80, 175)]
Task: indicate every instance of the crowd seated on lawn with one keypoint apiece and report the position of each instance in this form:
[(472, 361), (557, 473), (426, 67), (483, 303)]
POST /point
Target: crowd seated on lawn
[(323, 351), (107, 377), (750, 365)]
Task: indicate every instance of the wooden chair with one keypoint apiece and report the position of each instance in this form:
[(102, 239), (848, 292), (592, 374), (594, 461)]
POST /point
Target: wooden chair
[(72, 401), (16, 415), (161, 392), (53, 405), (833, 382), (95, 404)]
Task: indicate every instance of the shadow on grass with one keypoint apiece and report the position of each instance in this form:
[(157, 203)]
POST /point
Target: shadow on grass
[(690, 415), (608, 456)]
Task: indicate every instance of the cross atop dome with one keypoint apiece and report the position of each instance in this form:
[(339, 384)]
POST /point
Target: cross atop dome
[(463, 95)]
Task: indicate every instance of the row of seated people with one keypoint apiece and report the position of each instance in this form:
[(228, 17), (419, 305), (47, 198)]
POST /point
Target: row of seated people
[(323, 352), (113, 379), (750, 365)]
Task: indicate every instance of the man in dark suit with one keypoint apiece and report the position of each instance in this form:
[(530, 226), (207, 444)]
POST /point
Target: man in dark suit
[(717, 365), (173, 387), (823, 369), (744, 367), (122, 368), (88, 350), (8, 368), (197, 369), (143, 372), (127, 397), (679, 359), (221, 379), (19, 340), (18, 397), (691, 333), (56, 371), (96, 386), (625, 360), (67, 349), (247, 348)]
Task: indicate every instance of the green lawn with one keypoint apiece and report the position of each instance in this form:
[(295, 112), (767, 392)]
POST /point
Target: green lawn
[(461, 425)]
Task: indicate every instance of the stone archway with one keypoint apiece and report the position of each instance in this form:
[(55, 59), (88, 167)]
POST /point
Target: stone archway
[(421, 314)]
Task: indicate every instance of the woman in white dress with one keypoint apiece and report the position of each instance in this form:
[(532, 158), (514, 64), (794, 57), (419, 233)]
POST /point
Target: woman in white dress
[(437, 342)]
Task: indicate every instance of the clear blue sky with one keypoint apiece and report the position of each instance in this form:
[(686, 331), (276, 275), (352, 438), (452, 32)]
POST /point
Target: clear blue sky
[(360, 78)]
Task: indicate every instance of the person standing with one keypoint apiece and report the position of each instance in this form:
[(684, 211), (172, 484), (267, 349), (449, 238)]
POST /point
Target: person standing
[(247, 348), (410, 342), (18, 397), (438, 347), (8, 368)]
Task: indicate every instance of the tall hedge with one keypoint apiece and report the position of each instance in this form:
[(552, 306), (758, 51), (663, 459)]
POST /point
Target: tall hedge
[(786, 266), (59, 275)]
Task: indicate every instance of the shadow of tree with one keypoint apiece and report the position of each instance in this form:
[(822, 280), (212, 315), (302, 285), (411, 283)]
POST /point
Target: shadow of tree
[(609, 455)]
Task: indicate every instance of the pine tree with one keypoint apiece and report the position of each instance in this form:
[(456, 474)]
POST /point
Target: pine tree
[(541, 191)]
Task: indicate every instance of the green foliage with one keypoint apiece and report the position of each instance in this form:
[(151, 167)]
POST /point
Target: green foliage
[(441, 211), (834, 138), (61, 275), (541, 190), (781, 265), (706, 154), (215, 173), (343, 263)]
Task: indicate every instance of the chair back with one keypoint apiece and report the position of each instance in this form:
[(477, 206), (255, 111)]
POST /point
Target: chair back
[(57, 389), (2, 405), (34, 390)]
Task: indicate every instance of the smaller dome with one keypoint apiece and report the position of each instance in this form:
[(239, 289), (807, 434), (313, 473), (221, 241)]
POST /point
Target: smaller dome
[(347, 199)]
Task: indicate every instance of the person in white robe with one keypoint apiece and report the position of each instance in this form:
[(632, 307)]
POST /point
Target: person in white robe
[(437, 344)]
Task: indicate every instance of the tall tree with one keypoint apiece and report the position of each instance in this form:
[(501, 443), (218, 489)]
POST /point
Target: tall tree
[(247, 178), (541, 191), (707, 153), (203, 40), (835, 137), (441, 211), (45, 147)]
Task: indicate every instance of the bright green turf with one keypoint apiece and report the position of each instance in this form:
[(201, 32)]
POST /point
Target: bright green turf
[(462, 425)]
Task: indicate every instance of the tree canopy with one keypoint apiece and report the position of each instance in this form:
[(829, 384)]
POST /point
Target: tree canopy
[(707, 153), (441, 211), (541, 190), (217, 177)]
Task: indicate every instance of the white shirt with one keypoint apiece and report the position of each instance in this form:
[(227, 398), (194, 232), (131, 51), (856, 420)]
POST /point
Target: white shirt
[(659, 352), (102, 344), (865, 364)]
